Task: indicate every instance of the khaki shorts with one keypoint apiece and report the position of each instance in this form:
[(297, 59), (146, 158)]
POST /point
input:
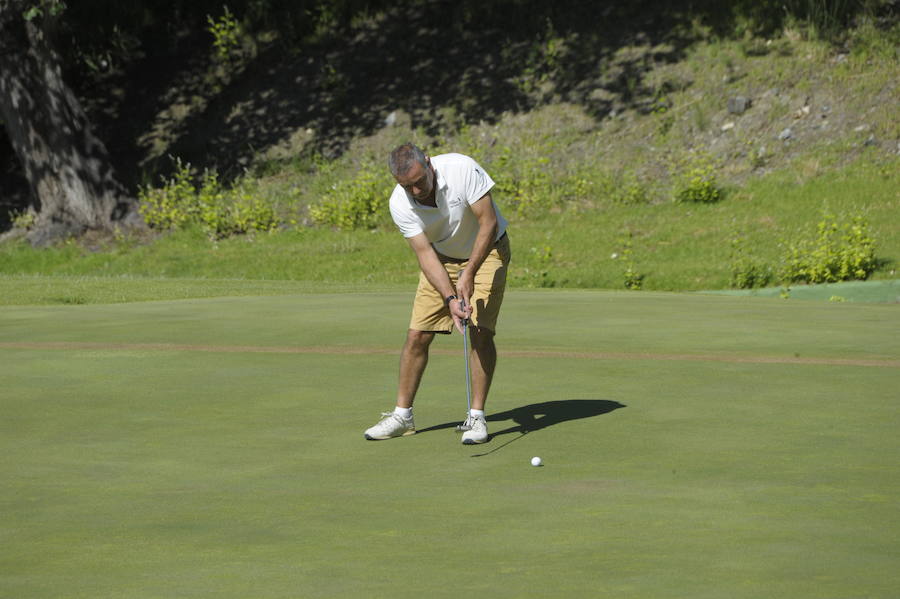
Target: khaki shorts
[(429, 312)]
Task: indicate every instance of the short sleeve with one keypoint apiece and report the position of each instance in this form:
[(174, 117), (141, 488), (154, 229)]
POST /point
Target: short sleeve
[(478, 182)]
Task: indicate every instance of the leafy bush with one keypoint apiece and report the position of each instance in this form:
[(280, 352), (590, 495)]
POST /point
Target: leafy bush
[(247, 214), (172, 205), (358, 203), (841, 250), (695, 181), (219, 211), (746, 271), (226, 34)]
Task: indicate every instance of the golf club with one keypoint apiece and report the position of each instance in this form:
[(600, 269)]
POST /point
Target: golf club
[(464, 426)]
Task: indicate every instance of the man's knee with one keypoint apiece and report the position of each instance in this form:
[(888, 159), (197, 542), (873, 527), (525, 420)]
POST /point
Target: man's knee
[(481, 338), (419, 340)]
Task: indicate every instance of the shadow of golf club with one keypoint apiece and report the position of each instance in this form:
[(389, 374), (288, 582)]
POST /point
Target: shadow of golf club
[(537, 416)]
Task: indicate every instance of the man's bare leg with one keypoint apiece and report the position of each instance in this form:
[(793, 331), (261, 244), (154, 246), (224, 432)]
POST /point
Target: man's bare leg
[(482, 361), (413, 360)]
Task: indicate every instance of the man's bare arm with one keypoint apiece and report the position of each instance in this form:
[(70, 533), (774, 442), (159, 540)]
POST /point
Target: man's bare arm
[(484, 242)]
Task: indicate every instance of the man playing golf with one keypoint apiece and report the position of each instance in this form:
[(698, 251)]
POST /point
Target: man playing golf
[(443, 207)]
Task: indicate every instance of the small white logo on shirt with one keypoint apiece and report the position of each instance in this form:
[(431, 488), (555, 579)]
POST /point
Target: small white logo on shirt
[(455, 201)]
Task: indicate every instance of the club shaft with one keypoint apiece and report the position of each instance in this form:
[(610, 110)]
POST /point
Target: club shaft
[(466, 354), (465, 324)]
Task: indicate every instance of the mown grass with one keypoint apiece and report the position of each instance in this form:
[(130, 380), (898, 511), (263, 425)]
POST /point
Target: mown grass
[(152, 450)]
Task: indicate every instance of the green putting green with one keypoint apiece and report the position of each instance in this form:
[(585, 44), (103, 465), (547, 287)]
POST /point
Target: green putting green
[(693, 446)]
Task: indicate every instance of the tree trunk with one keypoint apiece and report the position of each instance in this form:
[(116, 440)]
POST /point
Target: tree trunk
[(68, 167)]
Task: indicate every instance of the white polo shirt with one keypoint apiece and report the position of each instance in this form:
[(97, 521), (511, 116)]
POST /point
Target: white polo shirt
[(451, 227)]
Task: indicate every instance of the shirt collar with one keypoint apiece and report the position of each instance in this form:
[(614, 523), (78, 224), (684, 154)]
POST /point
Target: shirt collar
[(439, 180)]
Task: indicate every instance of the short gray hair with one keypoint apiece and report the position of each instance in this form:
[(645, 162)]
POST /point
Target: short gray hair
[(403, 157)]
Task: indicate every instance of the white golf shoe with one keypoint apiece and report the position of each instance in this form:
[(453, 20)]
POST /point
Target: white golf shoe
[(391, 425), (477, 432)]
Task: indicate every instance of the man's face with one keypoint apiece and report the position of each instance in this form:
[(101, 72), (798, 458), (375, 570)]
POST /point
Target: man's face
[(418, 181)]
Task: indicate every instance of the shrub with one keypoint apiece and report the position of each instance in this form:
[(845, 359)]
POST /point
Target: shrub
[(695, 181), (841, 250), (168, 207), (219, 211), (746, 271), (226, 34), (357, 203), (247, 214)]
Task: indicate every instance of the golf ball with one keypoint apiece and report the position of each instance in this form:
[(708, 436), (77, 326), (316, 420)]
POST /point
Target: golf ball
[(536, 461)]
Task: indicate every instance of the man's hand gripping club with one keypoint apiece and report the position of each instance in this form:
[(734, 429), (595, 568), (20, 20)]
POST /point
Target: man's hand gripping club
[(461, 308)]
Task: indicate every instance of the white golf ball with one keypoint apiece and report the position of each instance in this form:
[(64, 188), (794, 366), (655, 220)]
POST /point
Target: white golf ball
[(536, 461)]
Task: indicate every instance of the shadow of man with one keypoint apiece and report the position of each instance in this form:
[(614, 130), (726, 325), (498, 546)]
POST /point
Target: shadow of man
[(537, 416)]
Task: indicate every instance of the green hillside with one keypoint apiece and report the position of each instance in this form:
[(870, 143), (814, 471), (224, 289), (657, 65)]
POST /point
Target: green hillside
[(660, 152)]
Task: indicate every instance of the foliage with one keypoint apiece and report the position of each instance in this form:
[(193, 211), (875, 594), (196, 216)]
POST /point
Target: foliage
[(823, 19), (581, 243), (841, 250), (221, 212), (758, 157), (827, 18), (746, 271), (24, 219), (633, 279), (868, 42), (536, 272), (695, 181), (357, 203), (543, 61), (52, 8), (542, 166), (226, 34), (526, 184), (624, 187)]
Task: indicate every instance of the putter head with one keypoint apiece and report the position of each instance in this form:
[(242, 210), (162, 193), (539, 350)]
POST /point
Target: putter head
[(464, 425)]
